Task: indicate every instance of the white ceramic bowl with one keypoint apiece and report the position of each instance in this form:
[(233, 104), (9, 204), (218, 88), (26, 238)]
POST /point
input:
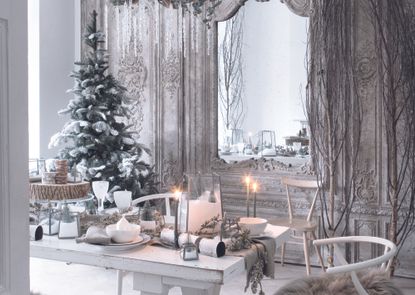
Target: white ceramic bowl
[(255, 225), (123, 236)]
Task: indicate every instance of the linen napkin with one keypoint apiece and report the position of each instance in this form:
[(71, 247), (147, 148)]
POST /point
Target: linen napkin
[(95, 235), (265, 246), (269, 248)]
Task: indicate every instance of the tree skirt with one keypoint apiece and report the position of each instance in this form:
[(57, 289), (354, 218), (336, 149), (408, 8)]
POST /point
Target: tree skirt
[(43, 191)]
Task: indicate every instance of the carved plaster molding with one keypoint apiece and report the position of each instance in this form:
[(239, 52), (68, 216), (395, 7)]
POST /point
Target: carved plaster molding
[(227, 9), (133, 74), (365, 186), (365, 68), (299, 7), (260, 164), (170, 72), (171, 175), (365, 227)]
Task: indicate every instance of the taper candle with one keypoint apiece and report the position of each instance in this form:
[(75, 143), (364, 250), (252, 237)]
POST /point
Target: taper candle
[(177, 195), (255, 188), (247, 181)]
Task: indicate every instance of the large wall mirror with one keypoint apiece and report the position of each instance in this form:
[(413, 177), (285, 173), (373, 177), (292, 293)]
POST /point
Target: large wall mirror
[(262, 77)]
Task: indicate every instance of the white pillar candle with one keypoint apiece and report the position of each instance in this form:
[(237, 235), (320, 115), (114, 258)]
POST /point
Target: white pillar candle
[(200, 212), (68, 230)]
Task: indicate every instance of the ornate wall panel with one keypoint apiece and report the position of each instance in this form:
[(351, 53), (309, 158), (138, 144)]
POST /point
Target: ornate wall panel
[(145, 45), (168, 61), (365, 67), (406, 258)]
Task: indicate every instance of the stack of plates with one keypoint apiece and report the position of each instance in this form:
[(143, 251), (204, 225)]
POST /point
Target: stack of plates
[(142, 239)]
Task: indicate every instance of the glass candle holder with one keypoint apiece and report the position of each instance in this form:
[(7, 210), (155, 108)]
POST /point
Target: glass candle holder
[(203, 203), (69, 225), (49, 220)]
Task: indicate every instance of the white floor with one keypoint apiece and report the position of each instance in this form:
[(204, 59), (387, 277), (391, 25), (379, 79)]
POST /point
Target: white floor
[(57, 278)]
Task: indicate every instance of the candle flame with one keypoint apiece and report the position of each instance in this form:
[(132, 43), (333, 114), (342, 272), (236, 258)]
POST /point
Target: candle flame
[(255, 187), (177, 194), (247, 180)]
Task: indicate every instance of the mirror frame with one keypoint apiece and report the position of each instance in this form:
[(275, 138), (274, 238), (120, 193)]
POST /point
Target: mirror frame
[(225, 11)]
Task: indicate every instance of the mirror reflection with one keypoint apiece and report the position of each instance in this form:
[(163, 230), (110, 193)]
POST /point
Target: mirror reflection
[(261, 84)]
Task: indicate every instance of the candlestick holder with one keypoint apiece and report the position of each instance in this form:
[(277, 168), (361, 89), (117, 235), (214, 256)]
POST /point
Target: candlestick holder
[(177, 216), (189, 250)]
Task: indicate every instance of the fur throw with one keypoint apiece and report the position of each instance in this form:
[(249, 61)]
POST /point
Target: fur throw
[(375, 282)]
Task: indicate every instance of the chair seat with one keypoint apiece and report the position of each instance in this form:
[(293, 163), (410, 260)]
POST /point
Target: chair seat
[(374, 281), (295, 223)]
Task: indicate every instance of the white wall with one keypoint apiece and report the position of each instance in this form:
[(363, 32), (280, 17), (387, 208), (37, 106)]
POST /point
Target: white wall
[(58, 48), (274, 52), (14, 201)]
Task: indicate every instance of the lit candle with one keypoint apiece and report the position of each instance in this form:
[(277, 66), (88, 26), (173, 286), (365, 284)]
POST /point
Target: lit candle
[(247, 181), (255, 188), (201, 211), (177, 195)]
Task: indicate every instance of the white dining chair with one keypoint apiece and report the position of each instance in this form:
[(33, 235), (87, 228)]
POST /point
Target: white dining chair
[(384, 261), (303, 228), (168, 219)]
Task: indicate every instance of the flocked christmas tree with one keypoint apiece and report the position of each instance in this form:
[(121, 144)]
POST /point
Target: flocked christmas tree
[(96, 140)]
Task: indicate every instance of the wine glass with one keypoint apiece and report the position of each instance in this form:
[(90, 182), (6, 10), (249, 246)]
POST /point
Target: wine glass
[(100, 189), (122, 200)]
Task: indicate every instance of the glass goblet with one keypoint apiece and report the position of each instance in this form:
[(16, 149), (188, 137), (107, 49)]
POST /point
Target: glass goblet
[(100, 189)]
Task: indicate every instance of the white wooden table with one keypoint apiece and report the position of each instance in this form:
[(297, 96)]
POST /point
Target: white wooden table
[(156, 269)]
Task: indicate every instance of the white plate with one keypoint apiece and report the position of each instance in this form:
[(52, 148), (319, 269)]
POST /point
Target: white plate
[(140, 240)]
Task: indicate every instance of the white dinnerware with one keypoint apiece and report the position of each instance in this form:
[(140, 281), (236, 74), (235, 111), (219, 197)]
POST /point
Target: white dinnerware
[(255, 225), (125, 235), (140, 240)]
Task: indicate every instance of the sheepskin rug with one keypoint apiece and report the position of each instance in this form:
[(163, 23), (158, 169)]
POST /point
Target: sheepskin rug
[(375, 283)]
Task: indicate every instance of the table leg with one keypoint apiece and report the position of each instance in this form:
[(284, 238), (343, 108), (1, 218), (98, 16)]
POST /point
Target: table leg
[(150, 284), (119, 281), (214, 290)]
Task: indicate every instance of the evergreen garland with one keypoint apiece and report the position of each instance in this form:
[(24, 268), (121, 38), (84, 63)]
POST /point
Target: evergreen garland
[(96, 140)]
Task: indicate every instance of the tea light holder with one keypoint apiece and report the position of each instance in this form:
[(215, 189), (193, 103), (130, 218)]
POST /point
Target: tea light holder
[(69, 225), (189, 251), (49, 220)]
